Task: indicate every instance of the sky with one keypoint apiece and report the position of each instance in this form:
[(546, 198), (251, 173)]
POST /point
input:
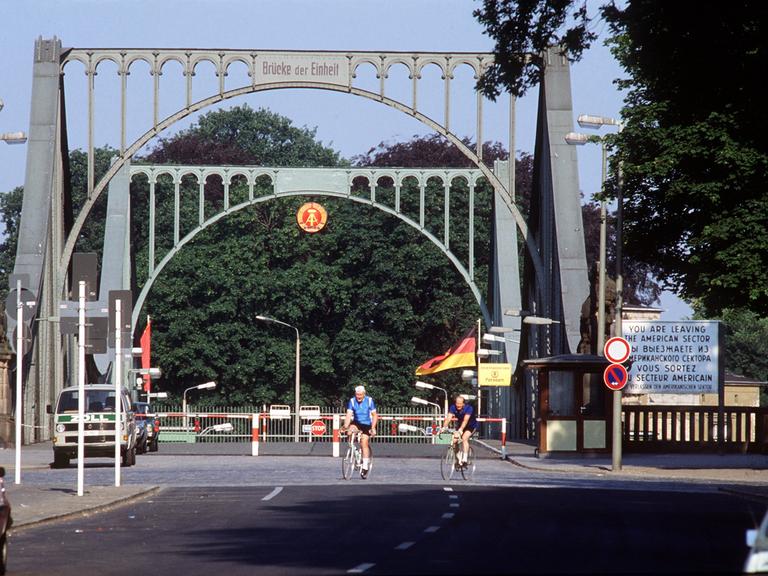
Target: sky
[(349, 124)]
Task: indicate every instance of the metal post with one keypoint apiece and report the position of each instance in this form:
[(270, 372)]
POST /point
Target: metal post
[(19, 364), (298, 386), (601, 274), (616, 455), (81, 387), (118, 376)]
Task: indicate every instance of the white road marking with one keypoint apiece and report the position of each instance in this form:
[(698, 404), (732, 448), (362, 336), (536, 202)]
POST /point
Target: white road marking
[(360, 568), (404, 545), (432, 529), (453, 505), (272, 494), (448, 515), (453, 497), (447, 488)]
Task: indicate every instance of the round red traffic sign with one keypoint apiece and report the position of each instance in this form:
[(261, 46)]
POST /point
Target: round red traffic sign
[(318, 428), (615, 376), (617, 349)]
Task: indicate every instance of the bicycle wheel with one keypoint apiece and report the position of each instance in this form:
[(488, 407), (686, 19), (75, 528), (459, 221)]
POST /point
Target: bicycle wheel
[(348, 464), (468, 472), (448, 463)]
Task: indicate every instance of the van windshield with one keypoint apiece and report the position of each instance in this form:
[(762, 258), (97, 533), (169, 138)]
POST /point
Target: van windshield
[(95, 401)]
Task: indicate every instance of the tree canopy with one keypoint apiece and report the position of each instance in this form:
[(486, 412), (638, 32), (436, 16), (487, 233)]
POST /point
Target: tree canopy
[(692, 149), (371, 297)]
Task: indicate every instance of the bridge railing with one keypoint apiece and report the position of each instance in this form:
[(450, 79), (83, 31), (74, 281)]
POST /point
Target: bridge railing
[(695, 429)]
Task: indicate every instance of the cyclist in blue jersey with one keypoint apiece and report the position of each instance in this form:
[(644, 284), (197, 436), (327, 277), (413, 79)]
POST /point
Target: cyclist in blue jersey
[(362, 416), (466, 424)]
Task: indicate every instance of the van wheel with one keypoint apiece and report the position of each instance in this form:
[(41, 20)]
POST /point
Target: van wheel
[(153, 446), (60, 460)]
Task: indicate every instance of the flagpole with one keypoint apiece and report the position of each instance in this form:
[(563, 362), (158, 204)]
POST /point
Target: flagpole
[(477, 372)]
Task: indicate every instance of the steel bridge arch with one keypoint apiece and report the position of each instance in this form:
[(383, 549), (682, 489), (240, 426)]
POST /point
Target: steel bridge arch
[(499, 188), (155, 273)]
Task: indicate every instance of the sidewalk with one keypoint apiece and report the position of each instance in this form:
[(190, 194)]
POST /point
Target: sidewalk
[(33, 504), (745, 473)]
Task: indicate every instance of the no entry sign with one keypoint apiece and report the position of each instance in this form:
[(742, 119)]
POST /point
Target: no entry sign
[(615, 376), (617, 349)]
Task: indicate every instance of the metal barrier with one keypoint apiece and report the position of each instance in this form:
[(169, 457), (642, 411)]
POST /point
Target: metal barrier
[(257, 427)]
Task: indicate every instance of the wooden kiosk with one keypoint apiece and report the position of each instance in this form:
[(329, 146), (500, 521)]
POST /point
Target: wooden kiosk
[(574, 406)]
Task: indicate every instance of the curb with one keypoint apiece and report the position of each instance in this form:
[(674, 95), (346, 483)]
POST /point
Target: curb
[(19, 527)]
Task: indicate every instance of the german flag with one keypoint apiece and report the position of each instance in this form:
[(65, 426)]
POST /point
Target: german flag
[(460, 355)]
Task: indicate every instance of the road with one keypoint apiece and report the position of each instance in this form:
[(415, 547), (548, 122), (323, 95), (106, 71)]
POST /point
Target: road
[(239, 515)]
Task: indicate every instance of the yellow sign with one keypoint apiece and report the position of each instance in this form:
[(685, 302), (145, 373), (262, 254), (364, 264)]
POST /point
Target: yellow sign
[(489, 374), (311, 217)]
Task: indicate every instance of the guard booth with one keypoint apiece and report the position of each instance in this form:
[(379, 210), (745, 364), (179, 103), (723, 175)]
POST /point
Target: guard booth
[(574, 406)]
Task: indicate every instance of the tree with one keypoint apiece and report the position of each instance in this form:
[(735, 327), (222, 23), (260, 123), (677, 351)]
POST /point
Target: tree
[(521, 27), (692, 150), (371, 297)]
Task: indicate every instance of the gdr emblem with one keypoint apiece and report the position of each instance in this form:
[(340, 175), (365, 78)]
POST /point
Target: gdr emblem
[(311, 217)]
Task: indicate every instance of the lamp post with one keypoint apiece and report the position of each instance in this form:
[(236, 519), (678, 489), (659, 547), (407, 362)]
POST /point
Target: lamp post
[(578, 139), (417, 400), (204, 386), (153, 372), (297, 386), (597, 122), (428, 386)]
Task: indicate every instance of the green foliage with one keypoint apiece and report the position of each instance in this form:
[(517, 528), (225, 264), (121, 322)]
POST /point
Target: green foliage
[(694, 153), (528, 27), (371, 297), (693, 149), (10, 214), (746, 344)]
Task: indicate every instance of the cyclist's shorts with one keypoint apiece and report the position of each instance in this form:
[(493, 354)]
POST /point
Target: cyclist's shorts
[(364, 428)]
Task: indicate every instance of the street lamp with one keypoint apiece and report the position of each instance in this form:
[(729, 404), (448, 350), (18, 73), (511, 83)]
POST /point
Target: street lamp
[(597, 122), (204, 386), (428, 386), (528, 318), (297, 391), (417, 400), (12, 137)]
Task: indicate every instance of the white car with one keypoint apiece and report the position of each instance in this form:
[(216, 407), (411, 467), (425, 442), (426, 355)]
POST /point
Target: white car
[(757, 540)]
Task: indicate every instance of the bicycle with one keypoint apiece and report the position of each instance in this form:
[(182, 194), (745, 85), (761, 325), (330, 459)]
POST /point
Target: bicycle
[(450, 463), (353, 459)]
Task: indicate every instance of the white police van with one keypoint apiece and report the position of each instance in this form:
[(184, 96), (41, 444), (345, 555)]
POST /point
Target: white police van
[(98, 422)]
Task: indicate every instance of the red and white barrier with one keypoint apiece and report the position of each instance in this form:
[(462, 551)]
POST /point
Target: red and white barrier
[(255, 435)]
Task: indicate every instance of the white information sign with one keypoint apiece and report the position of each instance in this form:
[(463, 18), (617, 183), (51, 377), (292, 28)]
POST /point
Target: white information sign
[(673, 357), (279, 67)]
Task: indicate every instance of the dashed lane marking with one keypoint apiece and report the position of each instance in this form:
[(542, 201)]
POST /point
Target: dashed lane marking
[(272, 494), (448, 515), (404, 545), (360, 568), (431, 529)]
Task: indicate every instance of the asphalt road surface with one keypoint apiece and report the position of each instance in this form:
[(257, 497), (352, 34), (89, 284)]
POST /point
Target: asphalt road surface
[(376, 528)]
